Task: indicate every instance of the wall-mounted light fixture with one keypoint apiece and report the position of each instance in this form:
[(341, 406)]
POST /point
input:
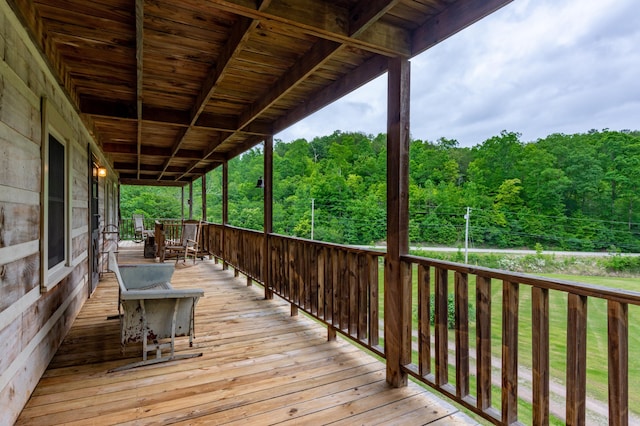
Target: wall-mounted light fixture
[(260, 183), (102, 171)]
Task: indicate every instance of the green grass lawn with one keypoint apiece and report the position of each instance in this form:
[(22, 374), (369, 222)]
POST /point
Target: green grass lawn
[(597, 347)]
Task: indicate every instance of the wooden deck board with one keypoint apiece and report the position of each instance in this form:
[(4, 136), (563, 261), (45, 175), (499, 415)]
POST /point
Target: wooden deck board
[(259, 366)]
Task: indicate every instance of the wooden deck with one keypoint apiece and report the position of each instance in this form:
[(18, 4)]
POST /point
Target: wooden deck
[(259, 366)]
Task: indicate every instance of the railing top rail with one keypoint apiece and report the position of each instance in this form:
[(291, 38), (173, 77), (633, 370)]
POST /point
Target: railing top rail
[(582, 289), (352, 249)]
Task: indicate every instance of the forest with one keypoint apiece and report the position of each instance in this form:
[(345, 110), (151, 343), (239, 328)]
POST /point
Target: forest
[(574, 192)]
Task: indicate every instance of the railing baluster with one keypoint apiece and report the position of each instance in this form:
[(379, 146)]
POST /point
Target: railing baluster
[(424, 321), (340, 285), (352, 271), (328, 286), (540, 354), (576, 359), (344, 291), (374, 314), (483, 342), (336, 278), (441, 328), (462, 334), (321, 280), (509, 352), (363, 293), (618, 331)]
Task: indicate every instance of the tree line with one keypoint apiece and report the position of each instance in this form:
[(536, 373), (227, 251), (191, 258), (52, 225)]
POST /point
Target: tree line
[(571, 192)]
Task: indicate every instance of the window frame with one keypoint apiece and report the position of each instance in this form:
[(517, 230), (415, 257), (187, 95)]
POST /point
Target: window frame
[(53, 124)]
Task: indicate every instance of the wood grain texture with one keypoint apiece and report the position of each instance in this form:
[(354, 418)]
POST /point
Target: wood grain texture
[(618, 331), (540, 359), (576, 359), (289, 374), (216, 77)]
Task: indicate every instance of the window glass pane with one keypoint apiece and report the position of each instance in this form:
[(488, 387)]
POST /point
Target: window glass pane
[(56, 198)]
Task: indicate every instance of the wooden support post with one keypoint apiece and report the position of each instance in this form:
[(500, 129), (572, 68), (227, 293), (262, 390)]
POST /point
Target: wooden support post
[(331, 333), (225, 212), (397, 290), (204, 197), (191, 200), (268, 216)]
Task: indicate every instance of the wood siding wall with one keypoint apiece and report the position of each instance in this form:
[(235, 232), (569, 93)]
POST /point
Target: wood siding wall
[(33, 323)]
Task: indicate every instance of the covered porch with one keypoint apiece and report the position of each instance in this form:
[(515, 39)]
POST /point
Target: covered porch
[(260, 365)]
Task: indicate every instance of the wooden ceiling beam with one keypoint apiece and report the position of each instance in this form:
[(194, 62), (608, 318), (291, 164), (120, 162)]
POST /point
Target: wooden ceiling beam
[(132, 168), (328, 21), (233, 47), (365, 73), (453, 19), (148, 182), (152, 151), (239, 37), (366, 12), (174, 117), (318, 55), (305, 66)]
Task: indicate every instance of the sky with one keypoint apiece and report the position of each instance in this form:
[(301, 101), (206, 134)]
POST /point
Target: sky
[(535, 67)]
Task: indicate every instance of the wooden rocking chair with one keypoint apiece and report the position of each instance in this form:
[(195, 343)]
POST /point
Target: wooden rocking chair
[(188, 244)]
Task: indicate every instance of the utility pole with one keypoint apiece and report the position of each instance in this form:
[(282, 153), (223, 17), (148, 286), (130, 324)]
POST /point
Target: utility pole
[(466, 235), (312, 214)]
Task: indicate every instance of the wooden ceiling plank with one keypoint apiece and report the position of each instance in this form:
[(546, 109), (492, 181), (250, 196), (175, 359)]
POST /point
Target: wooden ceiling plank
[(453, 19), (238, 40), (324, 20), (147, 182), (366, 12), (306, 65), (319, 54), (239, 36)]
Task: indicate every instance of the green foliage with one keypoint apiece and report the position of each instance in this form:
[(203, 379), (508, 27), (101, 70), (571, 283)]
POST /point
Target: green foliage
[(451, 310), (619, 263), (572, 192)]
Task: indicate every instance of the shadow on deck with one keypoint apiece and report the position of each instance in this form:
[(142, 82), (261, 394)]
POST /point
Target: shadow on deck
[(259, 366)]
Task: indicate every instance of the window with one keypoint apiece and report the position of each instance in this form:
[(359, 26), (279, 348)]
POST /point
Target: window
[(56, 202), (55, 232)]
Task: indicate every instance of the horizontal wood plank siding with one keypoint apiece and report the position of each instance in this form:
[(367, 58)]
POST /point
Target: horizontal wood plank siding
[(32, 325)]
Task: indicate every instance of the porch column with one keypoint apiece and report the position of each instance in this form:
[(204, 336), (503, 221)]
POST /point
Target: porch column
[(225, 211), (397, 289), (182, 202), (191, 200), (268, 213), (204, 197)]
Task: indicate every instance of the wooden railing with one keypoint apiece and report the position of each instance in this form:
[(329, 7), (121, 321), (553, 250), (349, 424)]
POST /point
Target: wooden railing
[(434, 276), (336, 284), (172, 228), (339, 286)]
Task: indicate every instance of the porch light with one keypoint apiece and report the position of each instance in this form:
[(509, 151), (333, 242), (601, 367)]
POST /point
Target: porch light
[(260, 183), (102, 171)]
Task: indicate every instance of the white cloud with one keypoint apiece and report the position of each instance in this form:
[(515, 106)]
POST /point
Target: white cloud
[(536, 67)]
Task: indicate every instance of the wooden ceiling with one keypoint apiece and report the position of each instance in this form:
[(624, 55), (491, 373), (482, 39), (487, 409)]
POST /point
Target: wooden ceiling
[(172, 88)]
